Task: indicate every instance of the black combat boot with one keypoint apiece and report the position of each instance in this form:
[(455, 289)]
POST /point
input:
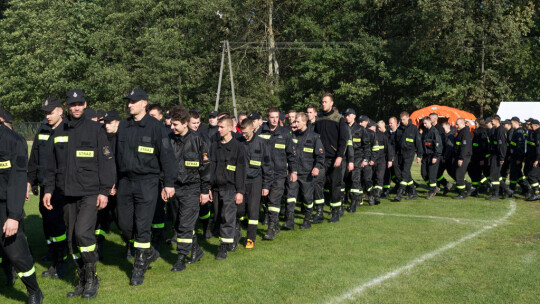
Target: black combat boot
[(222, 252), (180, 263), (35, 296), (99, 243), (352, 207), (91, 285), (143, 259), (399, 194), (307, 220), (196, 252), (462, 195), (289, 224), (237, 236), (81, 280), (508, 193), (319, 215), (269, 236), (335, 215), (412, 193), (377, 196), (494, 193)]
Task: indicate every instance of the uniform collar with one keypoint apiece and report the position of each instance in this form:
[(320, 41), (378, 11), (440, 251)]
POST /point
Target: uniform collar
[(142, 122), (74, 123)]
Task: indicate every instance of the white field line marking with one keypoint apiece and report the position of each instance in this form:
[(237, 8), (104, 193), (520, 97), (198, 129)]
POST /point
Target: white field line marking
[(350, 295), (457, 220)]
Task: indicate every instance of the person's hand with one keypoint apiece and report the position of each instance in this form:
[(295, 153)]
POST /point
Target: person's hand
[(535, 164), (238, 198), (434, 160), (389, 165), (363, 164), (102, 201), (265, 192), (167, 193), (350, 167), (210, 195), (204, 198), (28, 188), (481, 163), (11, 227), (47, 201), (501, 162), (113, 191), (337, 163), (460, 163), (418, 159), (371, 163), (315, 172), (294, 177)]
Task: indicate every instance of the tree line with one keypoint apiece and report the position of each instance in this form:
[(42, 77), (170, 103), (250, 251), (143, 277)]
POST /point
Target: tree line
[(378, 56)]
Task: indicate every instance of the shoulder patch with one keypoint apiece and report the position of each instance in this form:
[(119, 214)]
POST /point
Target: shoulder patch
[(107, 152)]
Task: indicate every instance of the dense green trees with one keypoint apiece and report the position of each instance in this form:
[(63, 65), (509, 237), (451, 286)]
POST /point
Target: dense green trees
[(379, 56)]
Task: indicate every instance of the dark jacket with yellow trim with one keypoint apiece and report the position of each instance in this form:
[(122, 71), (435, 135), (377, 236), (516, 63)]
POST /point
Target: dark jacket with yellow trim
[(497, 143), (260, 166), (431, 144), (191, 153), (518, 144), (463, 144), (334, 132), (81, 162), (228, 166), (309, 150), (382, 148), (407, 140), (13, 164), (280, 143)]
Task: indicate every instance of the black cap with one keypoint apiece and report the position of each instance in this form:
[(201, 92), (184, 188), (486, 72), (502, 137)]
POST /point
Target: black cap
[(506, 122), (515, 118), (90, 113), (534, 121), (363, 118), (213, 114), (254, 116), (371, 123), (50, 104), (488, 120), (349, 111), (196, 110), (111, 115), (137, 94), (166, 115), (100, 114), (76, 95), (6, 116)]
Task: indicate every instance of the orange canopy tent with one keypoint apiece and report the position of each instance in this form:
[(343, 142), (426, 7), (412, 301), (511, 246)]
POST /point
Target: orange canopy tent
[(445, 114)]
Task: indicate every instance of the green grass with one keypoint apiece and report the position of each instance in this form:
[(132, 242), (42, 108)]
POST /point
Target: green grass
[(501, 265)]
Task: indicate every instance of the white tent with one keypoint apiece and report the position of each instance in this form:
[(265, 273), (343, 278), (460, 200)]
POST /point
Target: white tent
[(522, 109)]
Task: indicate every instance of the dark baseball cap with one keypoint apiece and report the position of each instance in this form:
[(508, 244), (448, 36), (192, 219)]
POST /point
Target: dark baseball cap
[(534, 121), (488, 120), (111, 115), (515, 118), (371, 123), (213, 114), (254, 116), (76, 95), (363, 118), (6, 116), (50, 104), (506, 122), (90, 113), (349, 111), (137, 94), (101, 114)]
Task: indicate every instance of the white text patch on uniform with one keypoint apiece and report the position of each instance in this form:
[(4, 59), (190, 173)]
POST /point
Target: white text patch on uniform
[(279, 146), (147, 150), (191, 163), (61, 139), (254, 163), (82, 153), (43, 137), (308, 150), (5, 164)]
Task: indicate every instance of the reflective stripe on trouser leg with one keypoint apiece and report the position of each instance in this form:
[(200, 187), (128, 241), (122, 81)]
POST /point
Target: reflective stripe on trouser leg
[(185, 206), (228, 210)]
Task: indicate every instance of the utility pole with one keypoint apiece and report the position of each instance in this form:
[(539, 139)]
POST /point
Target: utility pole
[(226, 47)]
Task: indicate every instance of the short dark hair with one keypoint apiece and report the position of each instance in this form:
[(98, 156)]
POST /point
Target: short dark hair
[(496, 117), (246, 123), (194, 114), (311, 107), (328, 94), (156, 107), (272, 110), (433, 114), (403, 114), (179, 113), (227, 120)]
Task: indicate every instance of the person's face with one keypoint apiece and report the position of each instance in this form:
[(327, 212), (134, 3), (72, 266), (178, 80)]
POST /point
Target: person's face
[(392, 123), (178, 128), (373, 128), (515, 124), (247, 132), (327, 104), (382, 127), (363, 123), (212, 121), (460, 125), (489, 125), (137, 107), (534, 127), (156, 114), (350, 118), (300, 124), (273, 119), (112, 126), (404, 120), (194, 123), (224, 129), (54, 116), (427, 124), (433, 120), (311, 114), (241, 118), (168, 121), (76, 109), (446, 128), (292, 117)]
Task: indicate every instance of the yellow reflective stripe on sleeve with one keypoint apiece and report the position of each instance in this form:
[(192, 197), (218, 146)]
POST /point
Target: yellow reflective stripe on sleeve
[(295, 140), (141, 245), (28, 273), (100, 232), (356, 139), (5, 164), (349, 142), (291, 200), (43, 136), (338, 204), (409, 139), (255, 163), (253, 222), (56, 239), (158, 225), (82, 153), (226, 240), (231, 168), (279, 146), (273, 209), (191, 163), (319, 201), (488, 155), (308, 150), (355, 191), (185, 241), (147, 150), (264, 136), (87, 248), (61, 139)]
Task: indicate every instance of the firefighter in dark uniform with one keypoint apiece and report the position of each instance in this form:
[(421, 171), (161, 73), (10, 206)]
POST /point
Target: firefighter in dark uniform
[(509, 133), (111, 120), (279, 141), (260, 174), (13, 183), (390, 175), (82, 168), (480, 157), (366, 173), (353, 184), (461, 159), (518, 151), (310, 154), (407, 141), (367, 176), (143, 151), (192, 187), (382, 155), (54, 227), (228, 178), (531, 159), (333, 131), (448, 140), (498, 150), (430, 154)]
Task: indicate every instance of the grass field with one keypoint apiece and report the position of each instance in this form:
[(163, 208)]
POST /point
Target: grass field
[(437, 251)]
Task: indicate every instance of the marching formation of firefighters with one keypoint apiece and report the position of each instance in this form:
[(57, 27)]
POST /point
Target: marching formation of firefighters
[(92, 168)]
